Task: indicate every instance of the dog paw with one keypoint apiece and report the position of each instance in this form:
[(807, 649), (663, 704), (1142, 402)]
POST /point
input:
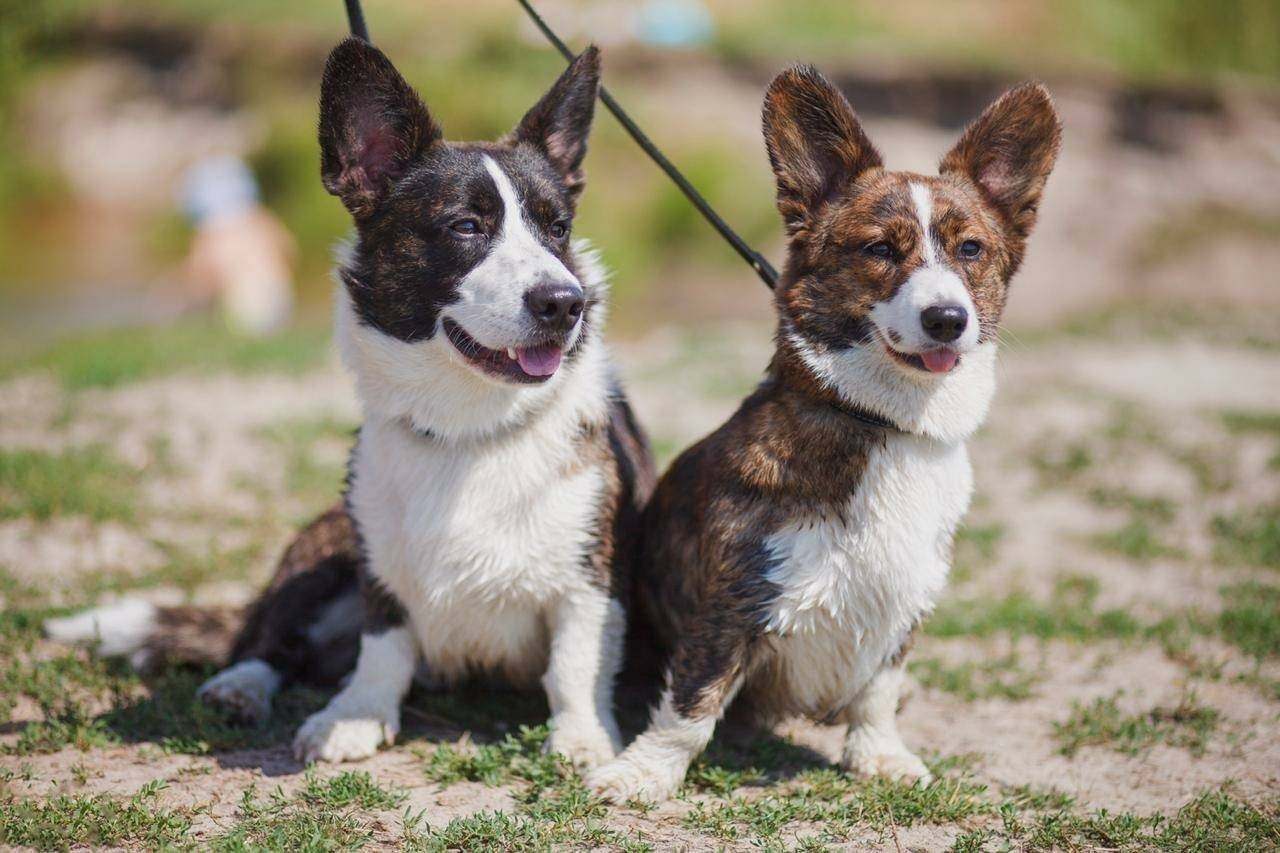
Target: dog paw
[(623, 779), (586, 743), (244, 691), (335, 735), (896, 763)]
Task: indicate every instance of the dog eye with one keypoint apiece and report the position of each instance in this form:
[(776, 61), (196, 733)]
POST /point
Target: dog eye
[(970, 249), (880, 249), (466, 227), (558, 230)]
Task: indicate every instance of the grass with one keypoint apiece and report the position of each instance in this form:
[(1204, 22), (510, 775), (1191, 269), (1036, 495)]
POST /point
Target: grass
[(308, 474), (998, 678), (1102, 723), (115, 357), (1139, 540), (85, 481), (1070, 613), (327, 814), (1248, 538), (1250, 618), (63, 821)]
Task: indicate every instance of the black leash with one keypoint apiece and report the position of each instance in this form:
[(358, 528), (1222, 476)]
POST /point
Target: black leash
[(757, 261), (762, 267), (355, 16)]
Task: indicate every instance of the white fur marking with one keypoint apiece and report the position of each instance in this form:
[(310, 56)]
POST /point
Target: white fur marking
[(491, 305), (245, 689), (851, 590), (366, 713), (873, 746), (654, 765), (586, 654), (116, 629)]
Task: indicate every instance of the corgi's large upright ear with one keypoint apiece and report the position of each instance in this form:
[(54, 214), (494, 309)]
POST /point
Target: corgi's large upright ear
[(1008, 153), (372, 126), (816, 144), (558, 125)]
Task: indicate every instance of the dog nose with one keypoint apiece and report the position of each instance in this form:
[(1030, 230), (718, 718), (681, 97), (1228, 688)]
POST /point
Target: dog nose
[(557, 306), (944, 323)]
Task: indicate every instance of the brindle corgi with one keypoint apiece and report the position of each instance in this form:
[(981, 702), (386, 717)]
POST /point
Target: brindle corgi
[(788, 557)]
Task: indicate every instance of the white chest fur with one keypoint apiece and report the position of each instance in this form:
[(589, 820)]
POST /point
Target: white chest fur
[(851, 589), (477, 541)]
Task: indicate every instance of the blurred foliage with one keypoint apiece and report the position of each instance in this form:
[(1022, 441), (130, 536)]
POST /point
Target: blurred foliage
[(478, 75)]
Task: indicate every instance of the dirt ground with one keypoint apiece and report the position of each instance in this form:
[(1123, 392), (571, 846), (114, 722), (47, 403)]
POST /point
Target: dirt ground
[(1120, 475), (1103, 674)]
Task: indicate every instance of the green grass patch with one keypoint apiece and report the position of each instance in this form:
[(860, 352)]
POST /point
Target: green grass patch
[(1102, 723), (115, 357), (1070, 613), (63, 821), (553, 809), (325, 815), (1137, 540), (1060, 464), (1250, 618), (307, 475), (85, 481), (1248, 538), (840, 806), (999, 678)]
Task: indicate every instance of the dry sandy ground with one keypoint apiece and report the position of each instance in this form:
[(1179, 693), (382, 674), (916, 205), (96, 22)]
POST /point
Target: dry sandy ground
[(1083, 429)]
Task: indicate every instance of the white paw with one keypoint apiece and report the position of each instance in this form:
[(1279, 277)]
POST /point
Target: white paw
[(340, 735), (586, 743), (623, 779), (894, 762), (243, 690)]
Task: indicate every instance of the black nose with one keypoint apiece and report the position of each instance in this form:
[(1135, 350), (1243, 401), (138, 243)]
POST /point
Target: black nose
[(944, 323), (557, 306)]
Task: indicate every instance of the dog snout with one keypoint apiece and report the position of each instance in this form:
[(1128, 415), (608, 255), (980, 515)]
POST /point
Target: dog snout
[(555, 305), (944, 323)]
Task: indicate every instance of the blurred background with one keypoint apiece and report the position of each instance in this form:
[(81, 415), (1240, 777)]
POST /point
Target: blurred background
[(1167, 188), (170, 409)]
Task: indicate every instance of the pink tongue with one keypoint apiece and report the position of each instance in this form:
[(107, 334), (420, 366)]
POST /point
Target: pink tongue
[(939, 360), (539, 361)]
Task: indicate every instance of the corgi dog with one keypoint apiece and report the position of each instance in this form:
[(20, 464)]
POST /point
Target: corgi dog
[(496, 484), (788, 558)]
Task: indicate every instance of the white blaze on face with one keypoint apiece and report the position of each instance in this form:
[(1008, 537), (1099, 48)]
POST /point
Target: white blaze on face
[(491, 306), (933, 284)]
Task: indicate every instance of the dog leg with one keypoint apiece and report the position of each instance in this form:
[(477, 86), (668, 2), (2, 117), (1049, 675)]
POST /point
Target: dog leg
[(873, 746), (701, 683), (366, 713), (586, 654), (244, 690)]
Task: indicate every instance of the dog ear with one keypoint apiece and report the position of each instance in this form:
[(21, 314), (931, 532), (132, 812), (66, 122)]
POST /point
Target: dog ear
[(558, 125), (816, 144), (372, 125), (1009, 152)]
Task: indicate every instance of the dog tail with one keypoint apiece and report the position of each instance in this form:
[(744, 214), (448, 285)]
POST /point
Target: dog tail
[(150, 635)]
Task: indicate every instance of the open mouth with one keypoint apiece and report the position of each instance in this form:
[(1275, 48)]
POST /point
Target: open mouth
[(940, 360), (529, 365)]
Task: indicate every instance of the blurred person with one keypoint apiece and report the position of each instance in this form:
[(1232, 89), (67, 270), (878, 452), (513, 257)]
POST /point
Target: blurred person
[(242, 255)]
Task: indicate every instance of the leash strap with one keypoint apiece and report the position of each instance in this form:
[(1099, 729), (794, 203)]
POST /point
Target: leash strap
[(355, 17), (762, 267)]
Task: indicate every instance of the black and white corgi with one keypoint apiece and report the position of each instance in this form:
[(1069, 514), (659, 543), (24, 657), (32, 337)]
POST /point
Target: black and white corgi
[(495, 487), (788, 557)]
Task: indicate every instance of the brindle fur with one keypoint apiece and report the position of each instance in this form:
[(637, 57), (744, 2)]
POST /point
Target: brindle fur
[(789, 452)]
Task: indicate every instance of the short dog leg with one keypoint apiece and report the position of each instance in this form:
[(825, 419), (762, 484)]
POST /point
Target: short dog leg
[(873, 746), (366, 713), (244, 690), (700, 688), (586, 653)]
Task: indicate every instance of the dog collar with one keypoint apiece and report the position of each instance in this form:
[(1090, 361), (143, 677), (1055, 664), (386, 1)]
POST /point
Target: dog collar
[(867, 417)]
